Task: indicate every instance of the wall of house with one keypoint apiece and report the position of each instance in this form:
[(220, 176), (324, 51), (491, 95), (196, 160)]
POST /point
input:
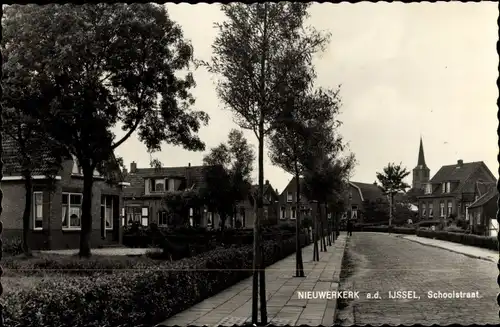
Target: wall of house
[(52, 235), (283, 203), (436, 207)]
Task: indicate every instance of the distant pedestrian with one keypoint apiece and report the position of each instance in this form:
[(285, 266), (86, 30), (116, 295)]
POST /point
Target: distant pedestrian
[(349, 227)]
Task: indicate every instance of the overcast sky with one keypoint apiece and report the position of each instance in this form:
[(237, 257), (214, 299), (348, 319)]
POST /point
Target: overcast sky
[(406, 70)]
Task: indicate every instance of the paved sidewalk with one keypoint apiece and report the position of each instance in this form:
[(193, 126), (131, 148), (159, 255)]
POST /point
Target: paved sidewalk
[(471, 251), (234, 305)]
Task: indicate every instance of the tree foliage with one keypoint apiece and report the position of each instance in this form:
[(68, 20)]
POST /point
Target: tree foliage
[(227, 172), (180, 202), (392, 178), (97, 66)]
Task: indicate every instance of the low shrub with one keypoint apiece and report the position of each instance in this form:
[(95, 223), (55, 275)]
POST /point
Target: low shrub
[(129, 299), (46, 264), (487, 242), (13, 246)]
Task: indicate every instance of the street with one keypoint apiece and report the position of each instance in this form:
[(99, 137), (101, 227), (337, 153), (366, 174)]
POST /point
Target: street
[(388, 264)]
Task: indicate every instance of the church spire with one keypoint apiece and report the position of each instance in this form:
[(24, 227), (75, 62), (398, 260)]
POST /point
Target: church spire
[(421, 158)]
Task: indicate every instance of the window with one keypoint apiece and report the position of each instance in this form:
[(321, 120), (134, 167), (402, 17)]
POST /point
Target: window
[(467, 216), (293, 213), (37, 210), (431, 211), (424, 210), (428, 188), (283, 213), (162, 218), (210, 221), (133, 214), (444, 187), (450, 207), (441, 209), (158, 185), (289, 196), (71, 210), (171, 184), (145, 216), (76, 168), (448, 187), (107, 210)]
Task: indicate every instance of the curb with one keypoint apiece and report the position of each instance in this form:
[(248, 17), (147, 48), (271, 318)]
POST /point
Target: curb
[(331, 306), (454, 251)]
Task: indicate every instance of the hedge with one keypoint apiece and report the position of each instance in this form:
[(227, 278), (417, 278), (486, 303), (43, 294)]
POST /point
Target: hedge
[(133, 298), (385, 229), (487, 242)]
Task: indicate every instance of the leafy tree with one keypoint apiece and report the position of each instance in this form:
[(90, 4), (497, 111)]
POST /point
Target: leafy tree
[(27, 146), (179, 203), (391, 182), (375, 211), (325, 179), (289, 146), (252, 55), (227, 171), (99, 66)]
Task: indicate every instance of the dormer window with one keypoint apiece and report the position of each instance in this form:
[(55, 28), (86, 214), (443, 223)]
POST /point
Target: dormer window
[(448, 187), (444, 187), (76, 168), (289, 196), (158, 185)]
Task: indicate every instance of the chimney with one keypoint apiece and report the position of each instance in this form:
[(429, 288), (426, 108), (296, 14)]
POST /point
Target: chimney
[(375, 183), (267, 182), (189, 164), (133, 167), (460, 162)]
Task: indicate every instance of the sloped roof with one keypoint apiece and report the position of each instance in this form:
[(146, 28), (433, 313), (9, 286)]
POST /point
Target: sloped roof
[(10, 157), (136, 178), (484, 187), (485, 198), (370, 192), (459, 173)]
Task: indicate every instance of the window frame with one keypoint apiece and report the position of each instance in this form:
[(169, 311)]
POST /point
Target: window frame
[(162, 214), (106, 196), (449, 208), (34, 212), (293, 213), (441, 210), (289, 196), (154, 182), (430, 208), (134, 211), (283, 213), (68, 205), (424, 210), (144, 216)]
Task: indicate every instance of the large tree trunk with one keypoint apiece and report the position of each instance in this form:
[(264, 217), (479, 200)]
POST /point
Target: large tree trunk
[(390, 211), (1, 210), (28, 186), (86, 219), (299, 264)]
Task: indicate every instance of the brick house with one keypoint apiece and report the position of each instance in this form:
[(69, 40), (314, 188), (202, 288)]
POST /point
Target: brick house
[(357, 195), (481, 214), (271, 204), (287, 202), (56, 213), (452, 190), (143, 200)]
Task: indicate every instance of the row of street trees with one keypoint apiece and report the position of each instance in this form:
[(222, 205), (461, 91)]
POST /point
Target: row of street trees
[(262, 57)]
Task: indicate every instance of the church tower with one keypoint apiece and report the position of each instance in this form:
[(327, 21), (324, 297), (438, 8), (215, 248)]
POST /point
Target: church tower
[(421, 172)]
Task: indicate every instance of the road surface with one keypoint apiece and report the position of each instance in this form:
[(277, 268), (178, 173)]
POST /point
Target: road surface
[(384, 263)]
